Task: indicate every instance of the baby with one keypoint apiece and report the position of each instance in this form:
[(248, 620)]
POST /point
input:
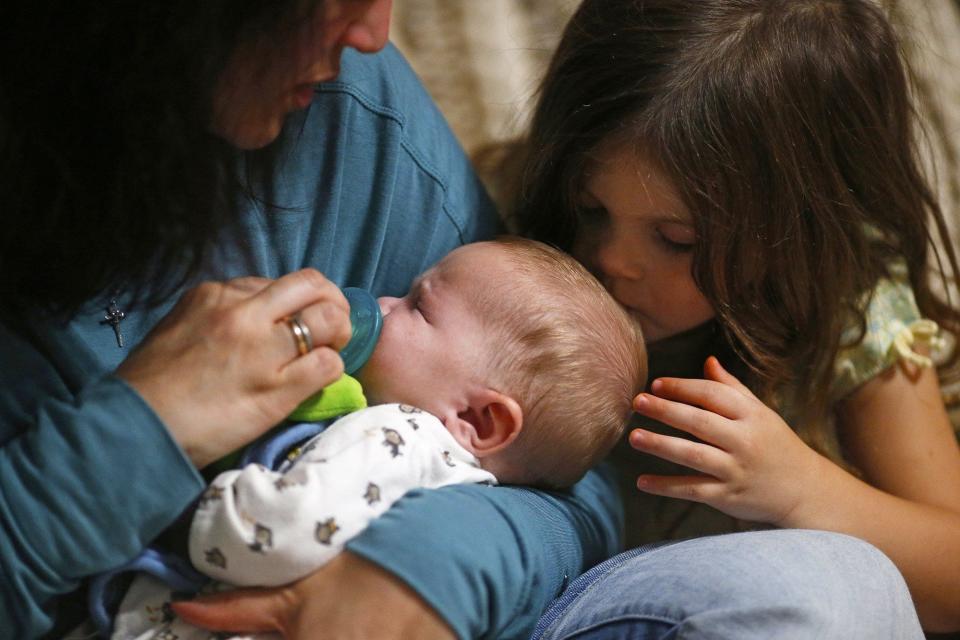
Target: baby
[(507, 362)]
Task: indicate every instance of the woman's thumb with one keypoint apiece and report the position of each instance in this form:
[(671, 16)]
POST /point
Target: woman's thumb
[(244, 610)]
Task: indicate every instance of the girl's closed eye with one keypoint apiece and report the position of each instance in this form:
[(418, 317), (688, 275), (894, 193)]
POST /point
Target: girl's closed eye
[(677, 237)]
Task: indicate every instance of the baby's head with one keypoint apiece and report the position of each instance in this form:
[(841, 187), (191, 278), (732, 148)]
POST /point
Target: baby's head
[(526, 359)]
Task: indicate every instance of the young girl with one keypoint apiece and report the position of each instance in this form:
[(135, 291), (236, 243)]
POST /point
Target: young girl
[(743, 177)]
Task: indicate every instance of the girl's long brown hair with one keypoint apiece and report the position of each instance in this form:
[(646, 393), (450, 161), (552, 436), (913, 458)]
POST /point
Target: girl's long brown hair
[(788, 129)]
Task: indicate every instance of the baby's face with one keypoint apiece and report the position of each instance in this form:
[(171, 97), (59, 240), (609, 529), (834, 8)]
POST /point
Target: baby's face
[(433, 344)]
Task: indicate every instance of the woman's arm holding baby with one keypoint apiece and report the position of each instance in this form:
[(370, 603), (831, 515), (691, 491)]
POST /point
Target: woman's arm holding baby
[(483, 560), (349, 598)]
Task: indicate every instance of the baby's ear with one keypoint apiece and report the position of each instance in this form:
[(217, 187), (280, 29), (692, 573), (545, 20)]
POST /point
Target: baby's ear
[(491, 422)]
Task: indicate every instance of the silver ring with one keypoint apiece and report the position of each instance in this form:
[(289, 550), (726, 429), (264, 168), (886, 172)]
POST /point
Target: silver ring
[(301, 334)]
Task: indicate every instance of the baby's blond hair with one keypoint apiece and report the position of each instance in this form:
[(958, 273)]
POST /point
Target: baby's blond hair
[(568, 354)]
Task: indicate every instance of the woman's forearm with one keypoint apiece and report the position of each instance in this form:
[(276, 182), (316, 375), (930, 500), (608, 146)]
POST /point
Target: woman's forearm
[(489, 559), (84, 489)]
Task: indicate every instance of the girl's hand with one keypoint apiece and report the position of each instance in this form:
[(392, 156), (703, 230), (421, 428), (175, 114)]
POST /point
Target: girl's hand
[(755, 467), (347, 598), (223, 366)]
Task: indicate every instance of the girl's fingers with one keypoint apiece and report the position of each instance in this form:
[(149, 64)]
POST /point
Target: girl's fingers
[(711, 395), (713, 370), (694, 455), (700, 423), (695, 488)]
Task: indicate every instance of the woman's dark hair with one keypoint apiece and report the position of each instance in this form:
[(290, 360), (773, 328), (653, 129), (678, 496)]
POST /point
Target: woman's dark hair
[(111, 179), (787, 127)]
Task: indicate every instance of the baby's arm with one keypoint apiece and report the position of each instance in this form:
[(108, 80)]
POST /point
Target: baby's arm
[(258, 527)]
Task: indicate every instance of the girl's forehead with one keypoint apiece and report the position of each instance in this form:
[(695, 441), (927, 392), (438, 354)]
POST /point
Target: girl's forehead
[(625, 157), (624, 178)]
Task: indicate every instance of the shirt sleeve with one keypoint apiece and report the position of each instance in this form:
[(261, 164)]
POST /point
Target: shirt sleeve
[(505, 552), (893, 327), (79, 496)]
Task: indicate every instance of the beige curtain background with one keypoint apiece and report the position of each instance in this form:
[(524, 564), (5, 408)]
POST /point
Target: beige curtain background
[(480, 59)]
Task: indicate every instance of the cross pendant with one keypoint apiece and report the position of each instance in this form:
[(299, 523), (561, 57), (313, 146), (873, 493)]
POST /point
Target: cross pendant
[(113, 317)]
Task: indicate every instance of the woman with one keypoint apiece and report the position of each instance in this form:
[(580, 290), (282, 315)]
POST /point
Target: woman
[(120, 142)]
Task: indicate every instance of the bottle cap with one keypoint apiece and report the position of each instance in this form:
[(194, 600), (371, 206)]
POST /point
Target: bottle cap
[(366, 320)]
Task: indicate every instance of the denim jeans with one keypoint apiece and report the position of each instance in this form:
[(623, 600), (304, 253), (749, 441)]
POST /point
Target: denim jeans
[(779, 584)]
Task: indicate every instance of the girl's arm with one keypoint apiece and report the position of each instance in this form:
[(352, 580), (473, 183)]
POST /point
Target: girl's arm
[(896, 431), (894, 427)]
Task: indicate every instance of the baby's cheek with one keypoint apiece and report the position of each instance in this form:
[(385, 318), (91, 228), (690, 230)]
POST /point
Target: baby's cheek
[(381, 368)]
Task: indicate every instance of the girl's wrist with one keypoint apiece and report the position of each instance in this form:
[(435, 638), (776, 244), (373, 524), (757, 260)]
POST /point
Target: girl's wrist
[(816, 495)]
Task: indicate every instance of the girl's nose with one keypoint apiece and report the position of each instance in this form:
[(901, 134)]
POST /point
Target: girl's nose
[(616, 261), (368, 33)]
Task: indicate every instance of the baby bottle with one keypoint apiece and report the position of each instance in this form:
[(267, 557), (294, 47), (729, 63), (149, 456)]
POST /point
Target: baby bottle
[(366, 320), (342, 395)]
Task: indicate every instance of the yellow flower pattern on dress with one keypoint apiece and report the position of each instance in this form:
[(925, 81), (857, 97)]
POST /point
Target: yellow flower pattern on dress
[(893, 329)]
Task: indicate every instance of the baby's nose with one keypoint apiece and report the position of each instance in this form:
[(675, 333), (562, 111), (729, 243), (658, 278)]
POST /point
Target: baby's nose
[(387, 303)]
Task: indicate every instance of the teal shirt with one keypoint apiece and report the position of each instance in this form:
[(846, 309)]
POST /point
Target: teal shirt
[(371, 189)]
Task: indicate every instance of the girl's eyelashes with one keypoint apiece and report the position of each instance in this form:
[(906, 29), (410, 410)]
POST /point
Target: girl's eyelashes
[(674, 247), (675, 237), (675, 240)]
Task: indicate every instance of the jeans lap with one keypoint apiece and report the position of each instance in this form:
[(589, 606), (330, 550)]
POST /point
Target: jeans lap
[(765, 584)]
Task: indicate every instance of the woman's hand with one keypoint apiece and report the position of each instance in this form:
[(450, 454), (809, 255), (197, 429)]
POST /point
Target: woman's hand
[(222, 367), (755, 467), (348, 598)]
